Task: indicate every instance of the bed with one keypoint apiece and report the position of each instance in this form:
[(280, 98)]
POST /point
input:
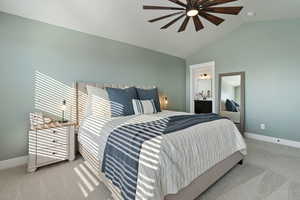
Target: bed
[(189, 160), (234, 116)]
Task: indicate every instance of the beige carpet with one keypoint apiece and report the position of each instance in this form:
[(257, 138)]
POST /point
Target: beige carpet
[(270, 172)]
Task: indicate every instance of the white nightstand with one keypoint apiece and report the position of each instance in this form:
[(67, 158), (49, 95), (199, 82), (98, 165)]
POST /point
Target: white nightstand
[(51, 143)]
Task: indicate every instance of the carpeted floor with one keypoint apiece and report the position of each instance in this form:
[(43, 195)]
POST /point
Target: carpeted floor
[(270, 172)]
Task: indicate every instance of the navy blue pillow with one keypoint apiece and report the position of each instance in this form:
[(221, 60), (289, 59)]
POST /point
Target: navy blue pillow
[(230, 106), (235, 103), (148, 94), (121, 101)]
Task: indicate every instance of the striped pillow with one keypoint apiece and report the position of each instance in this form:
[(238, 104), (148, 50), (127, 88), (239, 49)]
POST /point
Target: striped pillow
[(143, 106)]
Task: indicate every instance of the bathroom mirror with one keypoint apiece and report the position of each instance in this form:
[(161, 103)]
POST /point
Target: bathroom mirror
[(232, 98)]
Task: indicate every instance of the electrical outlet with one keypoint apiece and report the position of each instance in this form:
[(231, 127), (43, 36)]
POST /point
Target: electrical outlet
[(262, 126), (278, 140)]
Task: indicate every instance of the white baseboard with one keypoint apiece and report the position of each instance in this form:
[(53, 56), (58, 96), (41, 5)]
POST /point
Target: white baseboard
[(14, 162), (281, 141)]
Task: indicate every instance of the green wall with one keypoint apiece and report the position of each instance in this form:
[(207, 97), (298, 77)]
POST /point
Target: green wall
[(66, 55), (269, 53)]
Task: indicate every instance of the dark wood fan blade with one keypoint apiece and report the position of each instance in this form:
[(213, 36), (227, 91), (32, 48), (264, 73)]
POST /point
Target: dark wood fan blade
[(161, 8), (184, 24), (172, 22), (211, 18), (178, 2), (198, 24), (189, 2), (217, 2), (200, 2), (224, 10), (164, 17)]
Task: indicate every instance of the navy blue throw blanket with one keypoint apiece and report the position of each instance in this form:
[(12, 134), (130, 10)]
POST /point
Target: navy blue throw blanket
[(122, 152)]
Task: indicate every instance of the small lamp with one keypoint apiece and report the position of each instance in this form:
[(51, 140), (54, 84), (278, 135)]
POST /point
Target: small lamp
[(205, 77), (165, 102), (63, 109)]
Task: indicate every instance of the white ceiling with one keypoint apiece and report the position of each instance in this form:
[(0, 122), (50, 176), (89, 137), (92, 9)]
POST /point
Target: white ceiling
[(126, 21)]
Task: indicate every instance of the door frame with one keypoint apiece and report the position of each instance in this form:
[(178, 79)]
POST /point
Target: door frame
[(212, 65)]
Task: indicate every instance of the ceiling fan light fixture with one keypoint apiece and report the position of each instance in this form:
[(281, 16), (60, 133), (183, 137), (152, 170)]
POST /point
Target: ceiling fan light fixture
[(192, 13), (195, 10)]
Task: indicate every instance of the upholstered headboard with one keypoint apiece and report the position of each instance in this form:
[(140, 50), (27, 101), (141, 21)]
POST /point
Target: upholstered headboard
[(81, 95)]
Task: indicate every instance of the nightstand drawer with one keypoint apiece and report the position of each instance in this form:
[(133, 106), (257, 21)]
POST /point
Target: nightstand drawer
[(47, 154), (59, 132), (51, 137)]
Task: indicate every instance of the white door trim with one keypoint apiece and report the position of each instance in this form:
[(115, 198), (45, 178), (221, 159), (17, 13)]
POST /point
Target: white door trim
[(211, 64)]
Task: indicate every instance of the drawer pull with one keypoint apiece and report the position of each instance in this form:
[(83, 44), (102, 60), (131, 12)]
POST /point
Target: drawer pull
[(53, 153), (54, 141), (54, 131)]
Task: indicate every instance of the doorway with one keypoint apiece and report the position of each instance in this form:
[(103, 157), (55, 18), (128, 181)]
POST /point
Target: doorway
[(202, 87)]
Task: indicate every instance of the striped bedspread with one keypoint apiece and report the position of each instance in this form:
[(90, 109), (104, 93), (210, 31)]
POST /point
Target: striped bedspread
[(122, 151), (150, 156)]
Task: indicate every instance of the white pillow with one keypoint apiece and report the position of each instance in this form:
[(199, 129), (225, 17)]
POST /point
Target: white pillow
[(98, 102), (143, 106)]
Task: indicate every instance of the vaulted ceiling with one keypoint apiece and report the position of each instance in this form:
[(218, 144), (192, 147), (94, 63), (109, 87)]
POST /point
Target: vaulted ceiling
[(126, 21)]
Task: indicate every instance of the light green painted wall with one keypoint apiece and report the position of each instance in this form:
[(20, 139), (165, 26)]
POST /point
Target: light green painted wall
[(65, 55), (269, 53)]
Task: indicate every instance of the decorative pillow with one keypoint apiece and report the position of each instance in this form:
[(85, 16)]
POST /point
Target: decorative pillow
[(144, 106), (230, 106), (235, 103), (149, 94), (121, 101), (98, 102)]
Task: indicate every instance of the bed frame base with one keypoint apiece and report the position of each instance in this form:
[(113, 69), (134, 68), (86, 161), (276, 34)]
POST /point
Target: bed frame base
[(241, 162), (207, 179)]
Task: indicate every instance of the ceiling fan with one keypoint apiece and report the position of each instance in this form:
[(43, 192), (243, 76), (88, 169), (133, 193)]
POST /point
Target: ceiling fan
[(195, 9)]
